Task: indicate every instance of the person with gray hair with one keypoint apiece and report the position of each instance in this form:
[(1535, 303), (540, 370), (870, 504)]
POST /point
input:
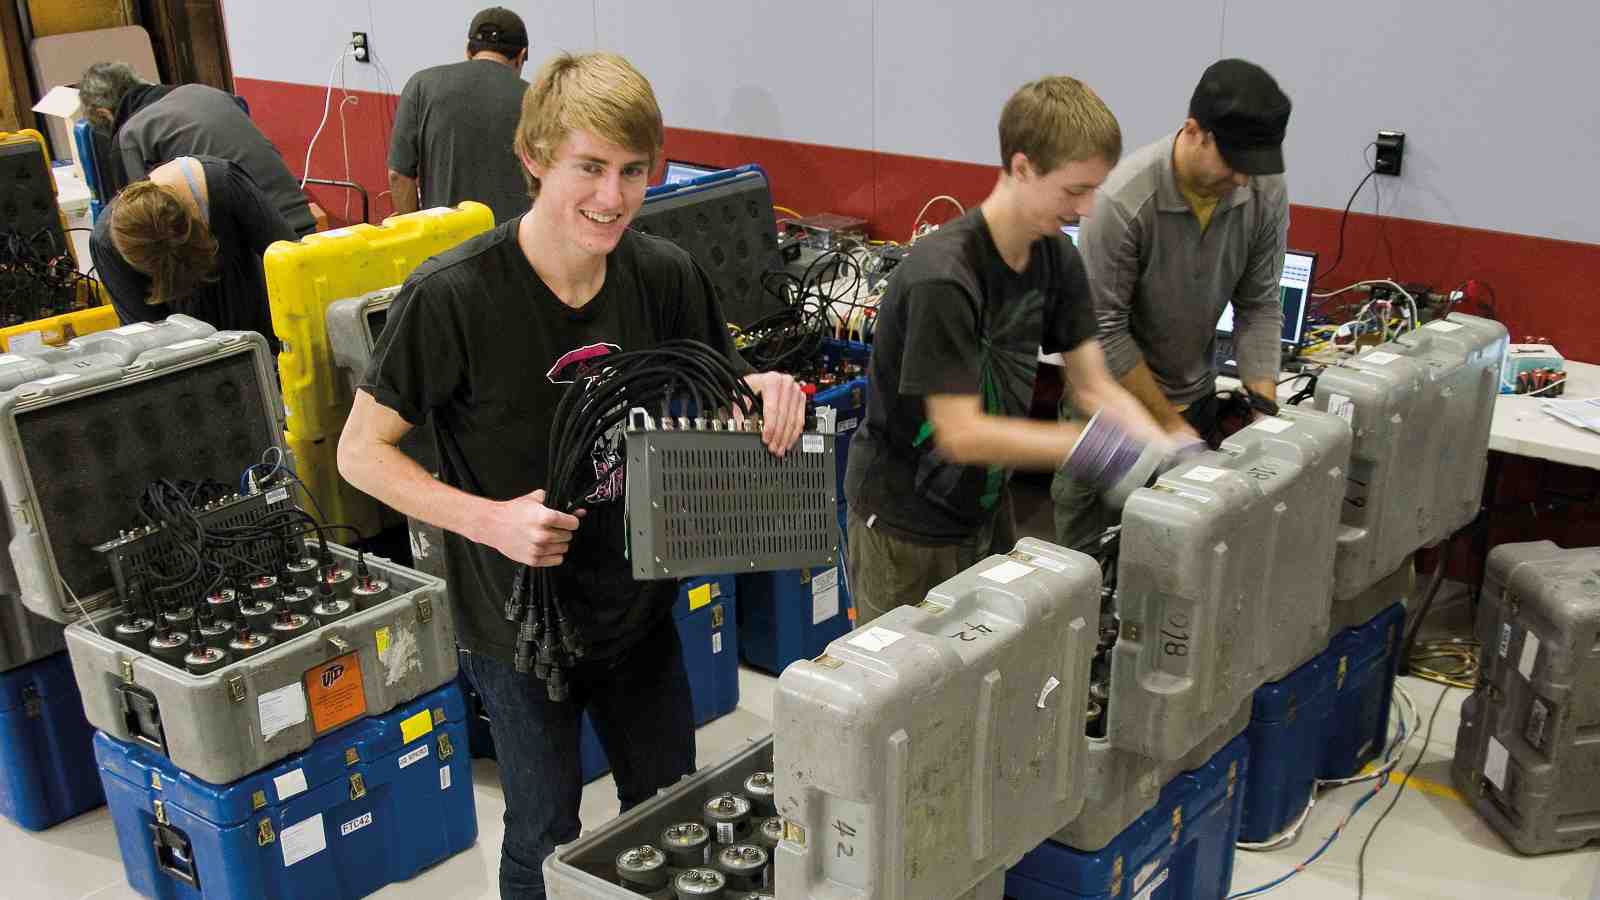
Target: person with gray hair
[(150, 124)]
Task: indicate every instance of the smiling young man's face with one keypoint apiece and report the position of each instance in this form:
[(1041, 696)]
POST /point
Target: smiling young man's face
[(591, 190)]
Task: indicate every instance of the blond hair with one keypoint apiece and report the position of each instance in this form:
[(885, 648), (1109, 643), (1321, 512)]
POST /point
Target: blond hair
[(159, 236), (1057, 120), (600, 93)]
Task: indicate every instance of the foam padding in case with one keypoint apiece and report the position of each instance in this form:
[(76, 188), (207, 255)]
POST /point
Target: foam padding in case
[(105, 447)]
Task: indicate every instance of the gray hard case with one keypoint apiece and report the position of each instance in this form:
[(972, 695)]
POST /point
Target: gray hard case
[(242, 717), (123, 408), (1223, 579), (1528, 749), (24, 637), (944, 740), (1421, 406)]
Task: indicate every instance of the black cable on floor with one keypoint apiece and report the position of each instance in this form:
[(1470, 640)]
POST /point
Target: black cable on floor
[(1361, 859)]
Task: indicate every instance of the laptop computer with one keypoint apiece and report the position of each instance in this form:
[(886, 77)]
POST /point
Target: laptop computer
[(678, 172), (1294, 293)]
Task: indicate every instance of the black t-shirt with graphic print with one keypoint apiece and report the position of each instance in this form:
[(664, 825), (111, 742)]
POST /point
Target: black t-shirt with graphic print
[(476, 339), (957, 320)]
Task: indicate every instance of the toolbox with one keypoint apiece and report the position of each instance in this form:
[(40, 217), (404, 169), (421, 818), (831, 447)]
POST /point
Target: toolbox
[(370, 804), (1289, 726), (1369, 657)]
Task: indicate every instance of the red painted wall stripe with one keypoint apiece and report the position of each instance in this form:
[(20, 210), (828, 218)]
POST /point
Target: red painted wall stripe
[(1540, 287)]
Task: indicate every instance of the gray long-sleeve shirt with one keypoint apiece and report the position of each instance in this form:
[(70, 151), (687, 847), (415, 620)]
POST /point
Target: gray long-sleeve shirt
[(1160, 284), (197, 120)]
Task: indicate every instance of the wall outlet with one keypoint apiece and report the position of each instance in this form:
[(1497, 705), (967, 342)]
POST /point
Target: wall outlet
[(1391, 149), (359, 46)]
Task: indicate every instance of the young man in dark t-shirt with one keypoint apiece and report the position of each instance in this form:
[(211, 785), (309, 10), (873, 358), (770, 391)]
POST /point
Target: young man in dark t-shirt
[(456, 123), (486, 338), (956, 351)]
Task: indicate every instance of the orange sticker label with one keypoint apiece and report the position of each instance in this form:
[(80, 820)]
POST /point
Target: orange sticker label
[(335, 693)]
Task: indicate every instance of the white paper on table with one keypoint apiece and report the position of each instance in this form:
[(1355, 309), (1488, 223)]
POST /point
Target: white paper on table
[(1579, 413)]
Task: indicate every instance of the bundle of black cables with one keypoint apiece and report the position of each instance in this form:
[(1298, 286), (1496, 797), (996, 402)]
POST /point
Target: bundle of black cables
[(791, 338), (211, 555), (683, 379), (37, 278)]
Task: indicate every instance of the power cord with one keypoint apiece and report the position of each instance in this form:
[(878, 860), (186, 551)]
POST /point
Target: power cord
[(1361, 859), (1344, 217)]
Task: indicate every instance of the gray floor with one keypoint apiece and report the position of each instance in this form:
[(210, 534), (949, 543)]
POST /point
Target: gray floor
[(1431, 846)]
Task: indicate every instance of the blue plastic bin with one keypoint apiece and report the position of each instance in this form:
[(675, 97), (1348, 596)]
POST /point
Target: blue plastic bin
[(47, 771), (365, 806)]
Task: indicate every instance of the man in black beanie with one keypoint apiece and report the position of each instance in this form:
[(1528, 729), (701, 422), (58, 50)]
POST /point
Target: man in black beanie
[(1182, 228)]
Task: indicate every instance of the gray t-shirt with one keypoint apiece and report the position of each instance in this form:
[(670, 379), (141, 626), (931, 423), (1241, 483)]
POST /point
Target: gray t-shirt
[(198, 120), (455, 132)]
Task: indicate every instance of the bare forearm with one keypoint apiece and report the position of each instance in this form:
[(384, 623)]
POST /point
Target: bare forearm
[(403, 191), (1142, 385), (1010, 442), (386, 473)]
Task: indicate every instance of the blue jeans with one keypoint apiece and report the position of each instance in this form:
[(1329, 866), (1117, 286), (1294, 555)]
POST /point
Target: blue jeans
[(639, 704)]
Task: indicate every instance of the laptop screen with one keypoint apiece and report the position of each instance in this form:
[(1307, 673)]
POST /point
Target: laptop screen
[(1294, 290), (679, 172)]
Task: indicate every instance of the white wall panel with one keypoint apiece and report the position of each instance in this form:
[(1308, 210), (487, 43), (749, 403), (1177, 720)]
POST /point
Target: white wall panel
[(1496, 99), (944, 70), (767, 68), (298, 41)]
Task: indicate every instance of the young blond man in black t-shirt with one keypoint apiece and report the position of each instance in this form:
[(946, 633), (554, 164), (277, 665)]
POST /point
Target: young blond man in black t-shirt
[(955, 354), (486, 337)]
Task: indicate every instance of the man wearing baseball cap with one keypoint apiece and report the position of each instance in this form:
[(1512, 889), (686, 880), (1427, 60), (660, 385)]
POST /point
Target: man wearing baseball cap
[(1181, 228), (456, 124)]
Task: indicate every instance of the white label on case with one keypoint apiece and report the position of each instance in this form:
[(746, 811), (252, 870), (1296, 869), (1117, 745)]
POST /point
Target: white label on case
[(290, 783), (1530, 655), (56, 379), (277, 495), (11, 359), (1442, 325), (135, 328), (1007, 572), (27, 340), (811, 443), (1494, 763), (824, 595), (1274, 426), (1206, 474), (413, 756), (355, 825), (1045, 562), (716, 642), (846, 425), (1379, 357), (1341, 406), (303, 840), (444, 778), (280, 709), (184, 345), (876, 639), (1505, 640)]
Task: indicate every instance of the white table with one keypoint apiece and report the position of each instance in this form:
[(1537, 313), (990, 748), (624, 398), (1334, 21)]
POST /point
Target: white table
[(1522, 428)]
